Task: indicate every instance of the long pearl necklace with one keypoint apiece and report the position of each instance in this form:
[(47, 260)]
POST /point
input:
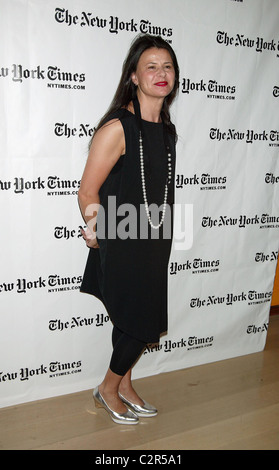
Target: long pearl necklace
[(144, 187)]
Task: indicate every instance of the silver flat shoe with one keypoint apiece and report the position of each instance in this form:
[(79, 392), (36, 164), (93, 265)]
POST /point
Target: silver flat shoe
[(144, 411), (120, 418)]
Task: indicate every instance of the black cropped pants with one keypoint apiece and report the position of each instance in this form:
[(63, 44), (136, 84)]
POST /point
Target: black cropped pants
[(126, 350)]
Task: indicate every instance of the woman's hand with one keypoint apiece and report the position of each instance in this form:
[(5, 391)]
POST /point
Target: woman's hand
[(90, 239)]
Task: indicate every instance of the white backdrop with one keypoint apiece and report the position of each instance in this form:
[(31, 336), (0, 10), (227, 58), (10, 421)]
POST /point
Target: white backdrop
[(60, 63)]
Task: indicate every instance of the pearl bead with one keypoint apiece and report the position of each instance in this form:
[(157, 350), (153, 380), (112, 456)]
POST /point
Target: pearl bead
[(144, 188)]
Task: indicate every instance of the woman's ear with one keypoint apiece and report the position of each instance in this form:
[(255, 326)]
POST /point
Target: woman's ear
[(134, 78)]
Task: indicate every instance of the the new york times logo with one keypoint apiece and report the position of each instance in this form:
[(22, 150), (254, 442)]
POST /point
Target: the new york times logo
[(258, 44), (248, 136), (211, 87), (20, 73), (112, 24), (57, 185), (53, 369)]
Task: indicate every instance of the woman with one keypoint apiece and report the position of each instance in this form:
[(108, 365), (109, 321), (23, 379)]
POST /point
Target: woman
[(131, 166)]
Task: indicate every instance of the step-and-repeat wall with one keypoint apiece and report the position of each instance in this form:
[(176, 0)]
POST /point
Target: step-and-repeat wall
[(60, 62)]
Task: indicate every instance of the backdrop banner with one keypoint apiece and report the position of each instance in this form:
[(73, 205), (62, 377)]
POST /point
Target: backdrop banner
[(60, 63)]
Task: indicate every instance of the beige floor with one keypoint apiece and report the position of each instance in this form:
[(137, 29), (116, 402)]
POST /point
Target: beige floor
[(232, 404)]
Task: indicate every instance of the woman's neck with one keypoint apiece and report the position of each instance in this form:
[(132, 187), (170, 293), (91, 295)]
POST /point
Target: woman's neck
[(150, 109)]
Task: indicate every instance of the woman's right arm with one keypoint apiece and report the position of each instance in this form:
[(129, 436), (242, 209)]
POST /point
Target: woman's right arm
[(106, 148)]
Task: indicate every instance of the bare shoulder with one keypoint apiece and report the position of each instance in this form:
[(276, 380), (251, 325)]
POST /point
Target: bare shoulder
[(112, 129), (110, 135)]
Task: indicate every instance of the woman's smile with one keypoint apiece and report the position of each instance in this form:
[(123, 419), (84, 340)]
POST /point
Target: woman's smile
[(161, 84)]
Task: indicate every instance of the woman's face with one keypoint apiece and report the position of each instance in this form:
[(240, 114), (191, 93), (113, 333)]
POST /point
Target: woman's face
[(155, 74)]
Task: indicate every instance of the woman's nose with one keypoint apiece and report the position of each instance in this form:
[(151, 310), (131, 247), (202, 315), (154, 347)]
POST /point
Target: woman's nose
[(162, 72)]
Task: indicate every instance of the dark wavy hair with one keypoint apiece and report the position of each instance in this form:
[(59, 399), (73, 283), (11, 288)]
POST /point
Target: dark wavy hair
[(126, 90)]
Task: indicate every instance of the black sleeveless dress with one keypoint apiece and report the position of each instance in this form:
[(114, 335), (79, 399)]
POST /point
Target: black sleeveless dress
[(129, 271)]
